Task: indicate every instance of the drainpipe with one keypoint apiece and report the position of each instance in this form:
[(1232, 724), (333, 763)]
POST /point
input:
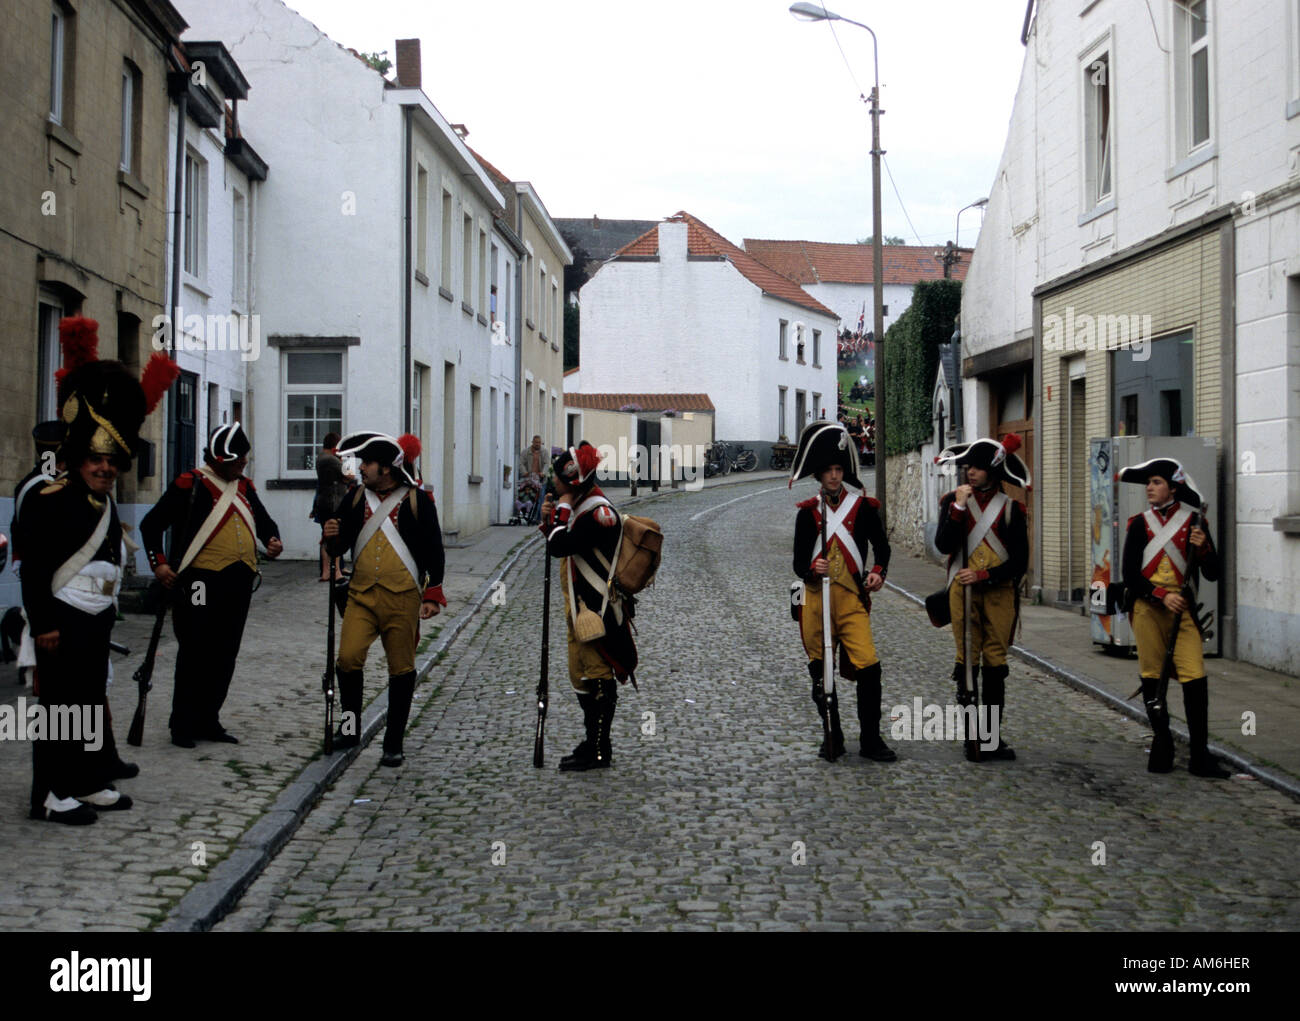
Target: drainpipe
[(406, 269), (178, 85)]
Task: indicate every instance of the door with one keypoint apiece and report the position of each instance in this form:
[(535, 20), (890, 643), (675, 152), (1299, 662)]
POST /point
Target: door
[(182, 424)]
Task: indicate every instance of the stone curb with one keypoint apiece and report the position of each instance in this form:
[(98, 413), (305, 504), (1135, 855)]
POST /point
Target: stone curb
[(1088, 686), (212, 899)]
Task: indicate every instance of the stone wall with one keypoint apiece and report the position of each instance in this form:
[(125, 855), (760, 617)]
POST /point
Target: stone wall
[(906, 493)]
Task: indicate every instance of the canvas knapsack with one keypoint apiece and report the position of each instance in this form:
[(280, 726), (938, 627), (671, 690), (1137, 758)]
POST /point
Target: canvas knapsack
[(640, 551)]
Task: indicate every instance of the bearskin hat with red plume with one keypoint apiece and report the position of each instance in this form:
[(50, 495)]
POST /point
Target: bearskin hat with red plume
[(400, 453), (577, 465), (101, 404)]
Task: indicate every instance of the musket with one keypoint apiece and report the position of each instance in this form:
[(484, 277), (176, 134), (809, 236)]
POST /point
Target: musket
[(144, 674), (969, 690), (327, 678), (828, 650), (544, 681)]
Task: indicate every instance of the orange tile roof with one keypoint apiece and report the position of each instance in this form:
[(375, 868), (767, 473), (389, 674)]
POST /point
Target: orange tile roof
[(826, 262), (646, 402), (701, 239), (493, 172)]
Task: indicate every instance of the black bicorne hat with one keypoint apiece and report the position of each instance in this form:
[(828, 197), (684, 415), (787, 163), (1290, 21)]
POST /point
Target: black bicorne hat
[(401, 454), (1187, 491), (822, 445), (577, 465), (227, 443), (998, 459)]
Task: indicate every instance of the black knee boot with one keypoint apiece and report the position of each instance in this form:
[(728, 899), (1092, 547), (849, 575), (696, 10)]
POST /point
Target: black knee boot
[(401, 689), (347, 684), (589, 724), (598, 716), (995, 687), (1196, 703), (872, 746), (824, 706), (1161, 759)]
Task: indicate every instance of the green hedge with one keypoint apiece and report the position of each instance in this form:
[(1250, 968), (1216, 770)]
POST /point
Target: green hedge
[(912, 362)]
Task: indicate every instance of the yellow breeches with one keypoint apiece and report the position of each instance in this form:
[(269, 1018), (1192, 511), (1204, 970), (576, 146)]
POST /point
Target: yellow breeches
[(393, 617), (1152, 627), (850, 624), (993, 613)]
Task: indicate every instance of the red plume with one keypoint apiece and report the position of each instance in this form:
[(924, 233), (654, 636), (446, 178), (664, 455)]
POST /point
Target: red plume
[(79, 338), (410, 444), (588, 458), (159, 373), (1011, 443)]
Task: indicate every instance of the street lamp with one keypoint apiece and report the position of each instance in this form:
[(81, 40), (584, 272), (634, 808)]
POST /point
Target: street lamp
[(816, 12), (977, 204)]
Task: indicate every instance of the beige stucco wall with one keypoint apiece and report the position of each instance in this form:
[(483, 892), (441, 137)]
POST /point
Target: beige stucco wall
[(104, 240)]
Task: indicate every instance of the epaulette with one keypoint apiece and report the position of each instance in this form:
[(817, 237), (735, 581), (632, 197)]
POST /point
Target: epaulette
[(605, 516), (809, 504), (875, 504), (54, 486), (185, 481)]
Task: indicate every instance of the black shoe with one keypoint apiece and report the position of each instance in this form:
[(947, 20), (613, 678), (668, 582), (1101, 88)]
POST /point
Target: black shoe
[(872, 747), (1002, 751), (343, 742), (120, 770), (182, 740), (103, 801), (1208, 766), (223, 736), (583, 751), (580, 764), (392, 759), (1161, 758)]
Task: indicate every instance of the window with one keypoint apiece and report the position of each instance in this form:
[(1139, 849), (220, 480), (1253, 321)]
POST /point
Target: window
[(130, 90), (798, 344), (446, 243), (482, 271), (239, 278), (48, 356), (313, 404), (817, 406), (475, 425), (785, 353), (467, 261), (60, 48), (1097, 128), (527, 296), (539, 310), (817, 349), (196, 215), (421, 220), (780, 412), (492, 310), (1192, 93), (555, 311), (1155, 397)]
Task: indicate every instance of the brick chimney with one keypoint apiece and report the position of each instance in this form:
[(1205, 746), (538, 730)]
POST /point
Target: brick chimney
[(408, 63)]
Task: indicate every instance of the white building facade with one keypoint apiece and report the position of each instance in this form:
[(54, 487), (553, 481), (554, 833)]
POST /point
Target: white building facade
[(372, 269), (1139, 273), (682, 310)]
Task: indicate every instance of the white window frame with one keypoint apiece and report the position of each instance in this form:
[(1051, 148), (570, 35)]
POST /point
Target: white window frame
[(49, 355), (467, 258), (288, 390), (555, 312), (780, 403), (1185, 49), (448, 214), (421, 219), (817, 349), (475, 427), (239, 242), (1097, 79), (58, 59), (196, 216), (128, 113), (1293, 58), (482, 272), (785, 340)]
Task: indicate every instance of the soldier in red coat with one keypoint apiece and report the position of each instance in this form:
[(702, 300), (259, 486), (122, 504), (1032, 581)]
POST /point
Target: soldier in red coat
[(994, 529), (853, 525), (1165, 547)]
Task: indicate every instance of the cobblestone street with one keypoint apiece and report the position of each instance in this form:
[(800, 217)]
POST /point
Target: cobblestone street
[(718, 814)]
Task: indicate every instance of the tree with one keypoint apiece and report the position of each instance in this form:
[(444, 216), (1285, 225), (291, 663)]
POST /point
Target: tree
[(889, 240), (379, 61), (571, 350)]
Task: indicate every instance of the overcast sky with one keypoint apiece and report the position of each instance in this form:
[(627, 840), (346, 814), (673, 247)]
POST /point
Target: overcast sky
[(730, 109)]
